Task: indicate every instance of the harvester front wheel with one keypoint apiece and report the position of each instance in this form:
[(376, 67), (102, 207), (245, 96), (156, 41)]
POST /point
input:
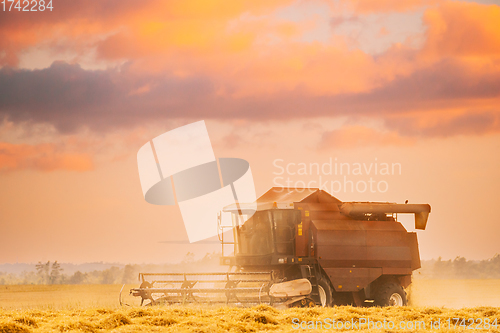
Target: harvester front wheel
[(391, 294), (325, 293)]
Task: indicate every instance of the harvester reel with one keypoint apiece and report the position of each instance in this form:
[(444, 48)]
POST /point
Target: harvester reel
[(231, 294), (228, 287), (187, 285), (145, 294)]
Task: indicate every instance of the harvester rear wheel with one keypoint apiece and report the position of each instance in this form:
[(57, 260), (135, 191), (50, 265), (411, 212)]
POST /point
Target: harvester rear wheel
[(391, 294), (325, 293)]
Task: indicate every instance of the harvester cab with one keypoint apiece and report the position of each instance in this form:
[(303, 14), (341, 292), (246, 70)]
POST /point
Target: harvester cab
[(303, 247)]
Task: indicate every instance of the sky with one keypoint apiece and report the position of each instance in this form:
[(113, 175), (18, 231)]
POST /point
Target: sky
[(284, 84)]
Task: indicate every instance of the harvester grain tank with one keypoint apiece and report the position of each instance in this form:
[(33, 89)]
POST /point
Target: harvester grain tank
[(303, 247)]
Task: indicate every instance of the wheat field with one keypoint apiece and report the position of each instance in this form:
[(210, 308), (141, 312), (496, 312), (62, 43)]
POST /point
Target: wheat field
[(261, 318), (95, 308)]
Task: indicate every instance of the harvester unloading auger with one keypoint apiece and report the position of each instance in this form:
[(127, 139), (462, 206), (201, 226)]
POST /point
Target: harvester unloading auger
[(303, 247)]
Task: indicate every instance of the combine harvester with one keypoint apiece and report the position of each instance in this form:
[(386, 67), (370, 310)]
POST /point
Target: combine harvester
[(303, 247)]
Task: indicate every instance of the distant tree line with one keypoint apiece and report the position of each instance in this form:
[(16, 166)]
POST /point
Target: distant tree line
[(461, 268), (52, 273)]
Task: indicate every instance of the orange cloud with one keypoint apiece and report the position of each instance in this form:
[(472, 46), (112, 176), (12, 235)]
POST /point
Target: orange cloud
[(42, 157), (239, 60), (376, 6), (201, 9), (79, 24), (243, 60), (361, 136), (463, 29), (316, 69), (443, 123)]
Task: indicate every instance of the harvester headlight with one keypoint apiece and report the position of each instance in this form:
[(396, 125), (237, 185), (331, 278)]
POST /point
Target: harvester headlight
[(282, 260)]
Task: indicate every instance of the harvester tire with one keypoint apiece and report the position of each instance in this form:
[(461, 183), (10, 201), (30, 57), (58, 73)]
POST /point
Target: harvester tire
[(325, 293), (390, 294)]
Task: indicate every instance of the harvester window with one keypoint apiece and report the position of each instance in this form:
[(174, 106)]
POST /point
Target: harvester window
[(284, 226), (267, 232), (255, 235)]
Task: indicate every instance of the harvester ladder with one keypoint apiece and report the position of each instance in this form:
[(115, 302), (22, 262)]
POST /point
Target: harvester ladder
[(220, 233), (311, 273)]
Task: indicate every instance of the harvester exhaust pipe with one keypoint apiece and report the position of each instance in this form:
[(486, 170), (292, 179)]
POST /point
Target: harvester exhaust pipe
[(421, 211)]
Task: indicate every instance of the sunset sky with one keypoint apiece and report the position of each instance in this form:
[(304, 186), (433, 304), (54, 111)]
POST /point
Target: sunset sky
[(82, 88)]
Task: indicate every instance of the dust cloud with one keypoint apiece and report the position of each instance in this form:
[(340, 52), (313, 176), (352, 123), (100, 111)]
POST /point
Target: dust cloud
[(454, 293)]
